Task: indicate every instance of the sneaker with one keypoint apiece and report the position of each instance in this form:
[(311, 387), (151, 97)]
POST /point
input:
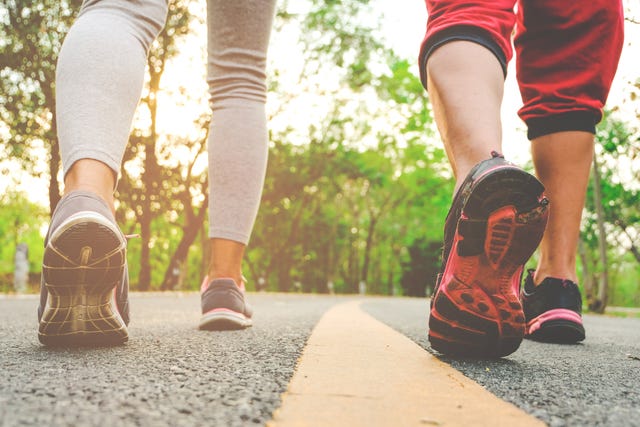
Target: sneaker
[(553, 310), (495, 223), (223, 305), (84, 286)]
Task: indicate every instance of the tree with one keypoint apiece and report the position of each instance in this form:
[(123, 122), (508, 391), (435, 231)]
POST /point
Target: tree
[(599, 303), (612, 221), (31, 33), (161, 187), (351, 186), (342, 205)]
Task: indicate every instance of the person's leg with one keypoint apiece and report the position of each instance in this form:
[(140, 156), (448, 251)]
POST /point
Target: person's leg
[(238, 39), (466, 104), (463, 61), (498, 212), (93, 176), (567, 58), (566, 186), (98, 81)]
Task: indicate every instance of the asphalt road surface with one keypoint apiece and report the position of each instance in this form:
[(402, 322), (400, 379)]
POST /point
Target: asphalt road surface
[(171, 374)]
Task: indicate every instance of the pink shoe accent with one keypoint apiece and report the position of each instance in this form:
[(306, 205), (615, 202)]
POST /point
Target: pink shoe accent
[(557, 314), (205, 284)]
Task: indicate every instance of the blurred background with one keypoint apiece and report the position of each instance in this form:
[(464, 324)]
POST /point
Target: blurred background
[(358, 185)]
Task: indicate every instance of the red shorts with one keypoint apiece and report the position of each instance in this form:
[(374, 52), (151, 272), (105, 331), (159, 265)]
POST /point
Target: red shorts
[(567, 52)]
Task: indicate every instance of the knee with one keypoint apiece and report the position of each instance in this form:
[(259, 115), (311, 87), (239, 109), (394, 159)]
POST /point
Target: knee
[(237, 75), (145, 18)]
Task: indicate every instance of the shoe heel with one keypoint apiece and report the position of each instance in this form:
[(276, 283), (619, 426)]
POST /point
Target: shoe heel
[(81, 319), (466, 321), (476, 311), (83, 264)]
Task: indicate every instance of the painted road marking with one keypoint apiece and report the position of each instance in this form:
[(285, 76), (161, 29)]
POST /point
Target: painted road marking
[(357, 371)]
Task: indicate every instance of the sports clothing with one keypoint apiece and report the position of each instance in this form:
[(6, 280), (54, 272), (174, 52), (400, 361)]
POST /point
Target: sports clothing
[(84, 290), (495, 223), (100, 76), (567, 52), (553, 310), (223, 305)]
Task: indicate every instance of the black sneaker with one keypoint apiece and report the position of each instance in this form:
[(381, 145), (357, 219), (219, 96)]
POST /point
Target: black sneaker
[(495, 223), (553, 310), (84, 287), (224, 306)]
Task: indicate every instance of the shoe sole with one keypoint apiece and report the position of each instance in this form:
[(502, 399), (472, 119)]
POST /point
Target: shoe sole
[(560, 326), (83, 262), (476, 311), (222, 319)]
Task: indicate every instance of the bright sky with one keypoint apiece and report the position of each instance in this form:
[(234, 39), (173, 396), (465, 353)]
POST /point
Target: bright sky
[(404, 25)]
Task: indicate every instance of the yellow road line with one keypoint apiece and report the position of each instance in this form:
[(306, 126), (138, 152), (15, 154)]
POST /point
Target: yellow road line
[(356, 371)]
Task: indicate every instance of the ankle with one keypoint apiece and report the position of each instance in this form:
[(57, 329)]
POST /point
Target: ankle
[(559, 273), (93, 176), (236, 277), (226, 260)]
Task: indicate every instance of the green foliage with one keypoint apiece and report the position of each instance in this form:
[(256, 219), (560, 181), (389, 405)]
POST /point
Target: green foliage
[(626, 276), (618, 151), (31, 33), (21, 221), (358, 193), (340, 34), (342, 207)]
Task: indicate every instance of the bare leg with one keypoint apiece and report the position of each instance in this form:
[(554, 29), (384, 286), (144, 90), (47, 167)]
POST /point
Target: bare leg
[(566, 184), (91, 175), (466, 106), (226, 260)]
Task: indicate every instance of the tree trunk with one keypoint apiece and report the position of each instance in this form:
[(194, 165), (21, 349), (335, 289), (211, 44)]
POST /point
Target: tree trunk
[(149, 178), (206, 250), (144, 277), (54, 168), (634, 249), (603, 285), (177, 264), (364, 274), (587, 278)]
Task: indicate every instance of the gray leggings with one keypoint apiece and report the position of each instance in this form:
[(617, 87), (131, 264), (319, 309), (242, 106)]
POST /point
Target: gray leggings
[(100, 76)]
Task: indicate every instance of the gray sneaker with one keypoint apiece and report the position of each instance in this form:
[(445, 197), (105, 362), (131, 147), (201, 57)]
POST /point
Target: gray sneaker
[(85, 284), (223, 305)]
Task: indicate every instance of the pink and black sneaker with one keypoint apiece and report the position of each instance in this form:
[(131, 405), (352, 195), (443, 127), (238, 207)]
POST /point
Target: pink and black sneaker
[(495, 223), (553, 310), (224, 306)]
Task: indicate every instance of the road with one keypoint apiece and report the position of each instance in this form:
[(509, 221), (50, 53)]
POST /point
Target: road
[(171, 374)]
